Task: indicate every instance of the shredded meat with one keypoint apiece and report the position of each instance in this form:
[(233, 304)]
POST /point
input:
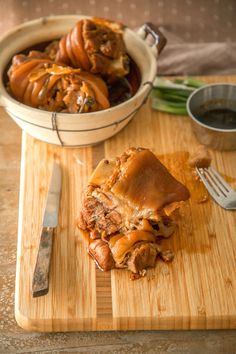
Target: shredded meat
[(105, 48), (71, 99), (96, 215)]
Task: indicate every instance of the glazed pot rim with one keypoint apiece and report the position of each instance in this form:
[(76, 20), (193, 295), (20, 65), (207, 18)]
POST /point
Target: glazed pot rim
[(143, 90), (193, 117)]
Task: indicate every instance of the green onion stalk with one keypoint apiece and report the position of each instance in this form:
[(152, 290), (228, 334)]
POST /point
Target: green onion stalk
[(171, 95)]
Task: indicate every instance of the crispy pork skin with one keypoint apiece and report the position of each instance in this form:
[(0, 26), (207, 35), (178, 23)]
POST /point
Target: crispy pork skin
[(101, 253), (146, 182)]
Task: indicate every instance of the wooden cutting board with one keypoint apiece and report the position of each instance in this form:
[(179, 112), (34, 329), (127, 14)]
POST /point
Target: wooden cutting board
[(196, 290)]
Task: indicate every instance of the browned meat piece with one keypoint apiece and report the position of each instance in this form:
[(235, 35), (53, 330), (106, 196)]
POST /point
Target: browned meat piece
[(71, 101), (105, 48), (142, 257), (100, 252), (122, 246), (128, 205), (200, 158), (167, 255), (95, 45), (100, 37), (135, 276), (38, 82), (91, 210), (146, 183), (121, 185), (94, 234), (19, 59)]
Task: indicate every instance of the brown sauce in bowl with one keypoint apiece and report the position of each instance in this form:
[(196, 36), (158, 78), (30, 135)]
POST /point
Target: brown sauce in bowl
[(221, 118)]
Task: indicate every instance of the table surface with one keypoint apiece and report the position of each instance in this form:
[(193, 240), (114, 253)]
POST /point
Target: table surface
[(15, 340)]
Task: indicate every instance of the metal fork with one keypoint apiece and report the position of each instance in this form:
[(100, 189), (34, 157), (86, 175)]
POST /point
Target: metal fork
[(220, 191)]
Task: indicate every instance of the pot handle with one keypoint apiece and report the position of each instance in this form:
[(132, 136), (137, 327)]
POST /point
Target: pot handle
[(158, 39)]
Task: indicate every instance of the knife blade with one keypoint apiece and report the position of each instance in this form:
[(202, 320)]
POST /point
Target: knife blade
[(40, 284)]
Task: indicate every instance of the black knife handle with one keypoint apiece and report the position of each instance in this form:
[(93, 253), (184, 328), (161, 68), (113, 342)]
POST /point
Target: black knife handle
[(40, 284)]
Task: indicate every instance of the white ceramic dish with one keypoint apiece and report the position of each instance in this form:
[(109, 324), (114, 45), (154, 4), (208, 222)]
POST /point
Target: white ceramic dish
[(75, 129)]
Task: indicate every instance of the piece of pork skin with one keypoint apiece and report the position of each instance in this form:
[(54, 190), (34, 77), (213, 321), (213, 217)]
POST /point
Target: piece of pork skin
[(100, 251)]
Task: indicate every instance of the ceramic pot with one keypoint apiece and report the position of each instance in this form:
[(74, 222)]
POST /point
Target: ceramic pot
[(83, 128)]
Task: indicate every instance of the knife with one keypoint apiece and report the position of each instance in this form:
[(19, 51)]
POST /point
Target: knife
[(40, 284)]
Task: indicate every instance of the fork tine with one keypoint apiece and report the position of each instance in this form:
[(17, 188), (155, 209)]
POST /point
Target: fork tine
[(226, 200), (212, 182), (221, 179), (200, 172), (215, 182)]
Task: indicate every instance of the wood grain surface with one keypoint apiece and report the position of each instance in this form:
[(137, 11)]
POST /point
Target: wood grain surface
[(197, 290)]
